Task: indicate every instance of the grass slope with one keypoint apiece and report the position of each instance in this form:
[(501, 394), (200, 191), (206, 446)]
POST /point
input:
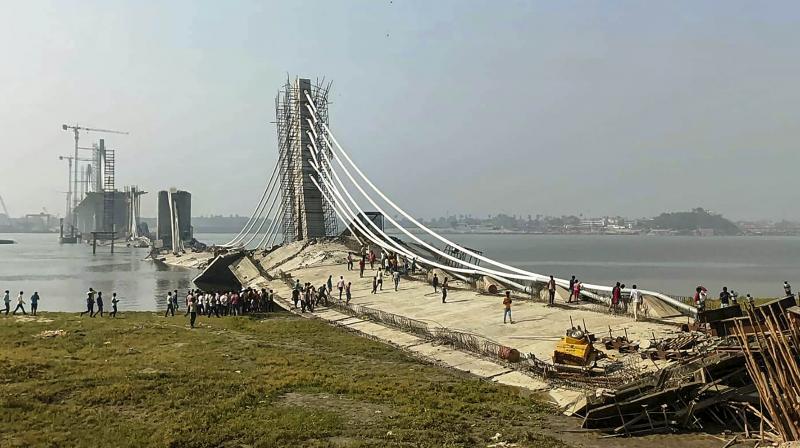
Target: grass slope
[(145, 380)]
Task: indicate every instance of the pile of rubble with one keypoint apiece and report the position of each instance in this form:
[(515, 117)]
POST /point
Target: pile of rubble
[(741, 374)]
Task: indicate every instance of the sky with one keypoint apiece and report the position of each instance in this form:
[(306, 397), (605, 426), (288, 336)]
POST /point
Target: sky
[(451, 107)]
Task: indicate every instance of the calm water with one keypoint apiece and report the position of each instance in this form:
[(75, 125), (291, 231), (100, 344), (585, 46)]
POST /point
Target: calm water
[(758, 265)]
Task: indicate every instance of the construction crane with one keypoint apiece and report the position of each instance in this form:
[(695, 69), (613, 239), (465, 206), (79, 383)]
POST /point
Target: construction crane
[(74, 184)]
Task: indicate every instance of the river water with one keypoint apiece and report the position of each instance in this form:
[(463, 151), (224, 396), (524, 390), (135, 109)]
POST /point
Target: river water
[(757, 265)]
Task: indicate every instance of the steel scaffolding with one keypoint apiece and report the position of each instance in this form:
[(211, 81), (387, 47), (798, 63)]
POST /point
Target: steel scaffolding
[(305, 213)]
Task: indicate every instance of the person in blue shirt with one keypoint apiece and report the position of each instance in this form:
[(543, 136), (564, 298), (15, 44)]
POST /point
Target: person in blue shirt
[(99, 303), (34, 302)]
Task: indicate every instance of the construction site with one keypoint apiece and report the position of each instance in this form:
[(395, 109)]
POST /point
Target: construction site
[(677, 368)]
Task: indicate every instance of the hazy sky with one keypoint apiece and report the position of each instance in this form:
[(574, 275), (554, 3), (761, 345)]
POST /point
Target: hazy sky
[(451, 106)]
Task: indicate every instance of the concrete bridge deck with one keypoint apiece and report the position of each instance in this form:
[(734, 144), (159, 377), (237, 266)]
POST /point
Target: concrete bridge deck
[(536, 328)]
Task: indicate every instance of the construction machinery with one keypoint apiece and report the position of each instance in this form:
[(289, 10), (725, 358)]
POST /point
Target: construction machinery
[(576, 349), (73, 192)]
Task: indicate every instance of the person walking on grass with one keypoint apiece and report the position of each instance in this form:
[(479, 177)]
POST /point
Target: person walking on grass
[(89, 303), (444, 290), (396, 276), (340, 285), (636, 300), (170, 306), (347, 294), (34, 302), (20, 304), (375, 284), (551, 291), (435, 283), (7, 301), (507, 306), (192, 312), (114, 302), (99, 304)]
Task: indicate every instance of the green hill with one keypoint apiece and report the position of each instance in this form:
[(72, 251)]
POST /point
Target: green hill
[(694, 220)]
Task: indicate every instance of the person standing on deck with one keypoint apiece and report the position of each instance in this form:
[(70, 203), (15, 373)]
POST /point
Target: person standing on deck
[(114, 302), (787, 289), (170, 307), (507, 305), (34, 302), (622, 299), (340, 285), (435, 283), (89, 303), (571, 289), (724, 297), (99, 305), (551, 291), (295, 297), (20, 304), (444, 290), (396, 276), (7, 301), (636, 300), (347, 294), (616, 293)]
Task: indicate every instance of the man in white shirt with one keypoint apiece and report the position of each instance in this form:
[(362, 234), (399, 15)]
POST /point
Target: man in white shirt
[(636, 299), (20, 303), (7, 301)]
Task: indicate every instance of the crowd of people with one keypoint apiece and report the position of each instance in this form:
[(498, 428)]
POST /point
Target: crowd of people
[(34, 303)]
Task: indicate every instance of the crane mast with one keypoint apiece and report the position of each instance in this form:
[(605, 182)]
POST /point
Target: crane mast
[(74, 184)]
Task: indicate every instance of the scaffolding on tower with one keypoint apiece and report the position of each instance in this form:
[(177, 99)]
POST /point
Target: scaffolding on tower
[(305, 213)]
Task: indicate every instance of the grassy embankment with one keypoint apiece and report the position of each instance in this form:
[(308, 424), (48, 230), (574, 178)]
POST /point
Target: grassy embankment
[(143, 380)]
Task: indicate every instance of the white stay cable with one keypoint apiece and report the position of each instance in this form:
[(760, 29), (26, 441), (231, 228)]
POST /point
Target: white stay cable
[(473, 267), (272, 226), (263, 218), (338, 212), (251, 222), (387, 242), (525, 274)]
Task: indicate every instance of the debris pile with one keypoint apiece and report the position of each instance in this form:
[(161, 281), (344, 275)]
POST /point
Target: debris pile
[(747, 382)]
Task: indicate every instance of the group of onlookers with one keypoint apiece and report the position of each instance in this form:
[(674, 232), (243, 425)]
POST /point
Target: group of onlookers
[(20, 303)]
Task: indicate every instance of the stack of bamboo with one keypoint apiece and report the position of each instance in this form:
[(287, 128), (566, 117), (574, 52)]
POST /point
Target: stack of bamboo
[(770, 340)]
